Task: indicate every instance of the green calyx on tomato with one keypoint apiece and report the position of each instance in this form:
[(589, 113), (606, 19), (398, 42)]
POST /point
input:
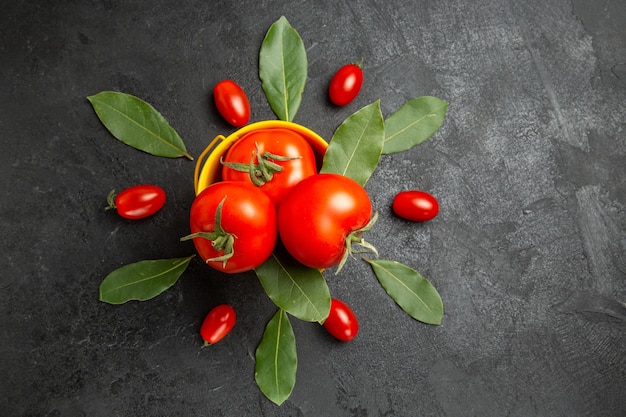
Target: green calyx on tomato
[(111, 200), (221, 240), (356, 238), (272, 159), (264, 169)]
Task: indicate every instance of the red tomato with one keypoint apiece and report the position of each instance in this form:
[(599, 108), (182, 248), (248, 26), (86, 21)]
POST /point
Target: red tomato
[(238, 237), (417, 206), (281, 158), (137, 202), (232, 102), (217, 324), (345, 84), (341, 321), (321, 216)]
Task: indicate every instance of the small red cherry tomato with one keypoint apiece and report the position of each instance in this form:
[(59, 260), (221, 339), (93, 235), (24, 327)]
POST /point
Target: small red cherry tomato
[(217, 324), (232, 102), (345, 84), (417, 206), (137, 202), (341, 321)]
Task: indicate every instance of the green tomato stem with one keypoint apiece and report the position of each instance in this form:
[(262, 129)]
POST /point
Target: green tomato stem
[(221, 240), (263, 171), (355, 238), (111, 201)]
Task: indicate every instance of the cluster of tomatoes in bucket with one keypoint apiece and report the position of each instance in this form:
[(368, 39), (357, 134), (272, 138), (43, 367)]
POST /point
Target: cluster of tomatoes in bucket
[(268, 193), (261, 190)]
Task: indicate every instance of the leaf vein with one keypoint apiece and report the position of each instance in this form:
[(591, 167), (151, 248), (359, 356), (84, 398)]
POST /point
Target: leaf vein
[(280, 321), (295, 284), (149, 131), (407, 287), (354, 149), (175, 266), (430, 114)]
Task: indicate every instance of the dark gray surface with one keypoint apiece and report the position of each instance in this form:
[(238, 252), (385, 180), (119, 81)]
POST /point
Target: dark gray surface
[(528, 251)]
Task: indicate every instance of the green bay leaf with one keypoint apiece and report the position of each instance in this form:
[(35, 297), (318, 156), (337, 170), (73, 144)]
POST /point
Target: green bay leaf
[(356, 145), (301, 291), (417, 120), (276, 359), (409, 289), (283, 69), (142, 280), (137, 124)]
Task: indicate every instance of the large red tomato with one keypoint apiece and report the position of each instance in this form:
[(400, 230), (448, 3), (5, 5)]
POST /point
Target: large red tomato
[(321, 217), (233, 226), (274, 159)]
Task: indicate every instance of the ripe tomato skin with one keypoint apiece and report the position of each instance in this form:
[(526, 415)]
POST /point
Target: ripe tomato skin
[(345, 84), (415, 205), (217, 324), (317, 215), (277, 141), (138, 201), (247, 214), (232, 102), (341, 322)]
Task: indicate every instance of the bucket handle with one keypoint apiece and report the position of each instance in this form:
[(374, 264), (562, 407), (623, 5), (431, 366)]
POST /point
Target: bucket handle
[(201, 157)]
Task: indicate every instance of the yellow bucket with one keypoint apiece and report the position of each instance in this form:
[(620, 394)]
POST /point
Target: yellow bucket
[(209, 171)]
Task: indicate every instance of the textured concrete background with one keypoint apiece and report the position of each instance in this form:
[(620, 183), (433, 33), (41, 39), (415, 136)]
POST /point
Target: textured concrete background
[(528, 251)]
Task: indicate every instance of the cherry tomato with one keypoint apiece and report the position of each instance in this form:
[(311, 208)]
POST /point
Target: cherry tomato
[(341, 321), (417, 206), (137, 202), (320, 218), (217, 324), (233, 226), (232, 102), (273, 159), (345, 84)]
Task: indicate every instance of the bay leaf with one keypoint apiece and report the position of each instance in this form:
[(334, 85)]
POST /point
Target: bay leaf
[(409, 289), (276, 359), (137, 124), (283, 69), (356, 145), (417, 120), (142, 280), (299, 290)]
